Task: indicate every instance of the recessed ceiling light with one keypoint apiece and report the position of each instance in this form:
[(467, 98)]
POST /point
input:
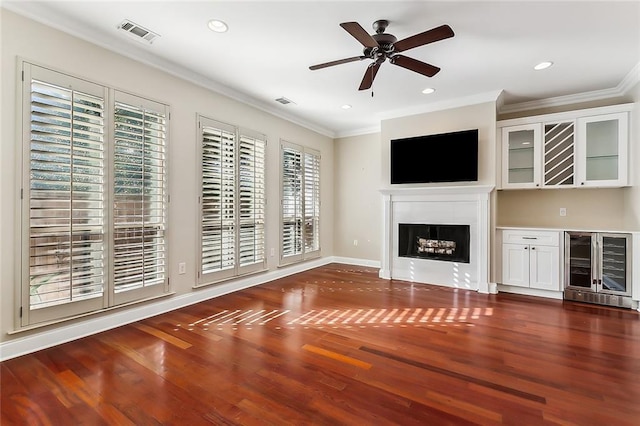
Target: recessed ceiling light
[(217, 26), (346, 106), (428, 90), (543, 65)]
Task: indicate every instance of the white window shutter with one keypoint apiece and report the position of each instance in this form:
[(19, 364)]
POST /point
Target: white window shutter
[(232, 201), (139, 196), (64, 200), (251, 201), (311, 202), (300, 210), (217, 200)]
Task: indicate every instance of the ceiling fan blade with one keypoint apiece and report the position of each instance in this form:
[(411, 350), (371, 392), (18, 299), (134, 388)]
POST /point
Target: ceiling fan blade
[(338, 62), (415, 65), (369, 75), (435, 34), (359, 34)]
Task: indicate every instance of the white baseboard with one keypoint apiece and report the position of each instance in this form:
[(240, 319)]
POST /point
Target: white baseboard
[(49, 337), (358, 262)]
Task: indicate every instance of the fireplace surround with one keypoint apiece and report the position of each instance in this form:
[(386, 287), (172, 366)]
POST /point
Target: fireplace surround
[(438, 206)]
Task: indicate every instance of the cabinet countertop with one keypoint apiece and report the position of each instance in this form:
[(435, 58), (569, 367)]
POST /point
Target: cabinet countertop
[(566, 229)]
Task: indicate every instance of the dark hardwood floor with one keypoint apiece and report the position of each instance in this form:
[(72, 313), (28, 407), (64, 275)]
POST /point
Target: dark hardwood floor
[(337, 345)]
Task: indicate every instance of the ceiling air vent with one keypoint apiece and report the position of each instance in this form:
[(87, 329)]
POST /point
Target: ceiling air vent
[(284, 101), (138, 32)]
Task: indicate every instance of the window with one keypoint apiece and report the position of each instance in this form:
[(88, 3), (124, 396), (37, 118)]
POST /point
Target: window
[(232, 201), (300, 203), (74, 167)]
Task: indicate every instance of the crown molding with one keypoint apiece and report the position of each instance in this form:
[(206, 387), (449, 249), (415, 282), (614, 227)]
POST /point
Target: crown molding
[(479, 98), (131, 50), (628, 82), (359, 132)]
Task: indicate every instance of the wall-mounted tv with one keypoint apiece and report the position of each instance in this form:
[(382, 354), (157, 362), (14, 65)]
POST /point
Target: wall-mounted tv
[(445, 157)]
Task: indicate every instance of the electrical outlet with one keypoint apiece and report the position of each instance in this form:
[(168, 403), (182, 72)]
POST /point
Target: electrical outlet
[(272, 252), (355, 243), (563, 211), (182, 268)]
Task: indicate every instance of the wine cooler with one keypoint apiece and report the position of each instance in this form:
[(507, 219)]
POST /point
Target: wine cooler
[(597, 268)]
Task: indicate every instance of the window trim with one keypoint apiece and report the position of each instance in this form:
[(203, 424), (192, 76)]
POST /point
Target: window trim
[(238, 269)]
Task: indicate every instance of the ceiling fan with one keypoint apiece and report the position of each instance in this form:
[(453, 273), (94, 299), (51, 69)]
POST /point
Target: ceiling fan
[(382, 46)]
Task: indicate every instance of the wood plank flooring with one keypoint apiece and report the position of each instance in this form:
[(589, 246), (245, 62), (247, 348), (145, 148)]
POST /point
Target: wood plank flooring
[(337, 345)]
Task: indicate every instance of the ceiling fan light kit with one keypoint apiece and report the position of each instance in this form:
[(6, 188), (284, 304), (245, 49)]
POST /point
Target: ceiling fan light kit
[(382, 46)]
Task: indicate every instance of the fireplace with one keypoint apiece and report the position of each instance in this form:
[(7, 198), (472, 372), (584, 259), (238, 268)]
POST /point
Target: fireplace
[(434, 212), (449, 243)]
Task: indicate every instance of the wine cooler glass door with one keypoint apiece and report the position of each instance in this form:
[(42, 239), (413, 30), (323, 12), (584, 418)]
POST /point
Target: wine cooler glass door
[(581, 256), (614, 257)]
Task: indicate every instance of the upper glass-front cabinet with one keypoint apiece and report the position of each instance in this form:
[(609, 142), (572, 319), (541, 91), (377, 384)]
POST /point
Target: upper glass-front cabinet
[(586, 148), (521, 156), (603, 150)]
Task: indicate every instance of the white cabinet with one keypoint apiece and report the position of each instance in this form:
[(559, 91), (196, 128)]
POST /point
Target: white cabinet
[(585, 148), (521, 156), (558, 160), (531, 259), (602, 150)]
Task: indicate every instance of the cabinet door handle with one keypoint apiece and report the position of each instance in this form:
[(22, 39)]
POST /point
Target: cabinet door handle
[(533, 248), (526, 248), (529, 238)]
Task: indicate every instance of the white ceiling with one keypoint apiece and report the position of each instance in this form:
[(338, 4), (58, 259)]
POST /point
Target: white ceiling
[(270, 45)]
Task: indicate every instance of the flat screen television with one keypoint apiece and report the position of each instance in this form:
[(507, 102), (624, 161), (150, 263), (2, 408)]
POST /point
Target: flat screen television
[(445, 157)]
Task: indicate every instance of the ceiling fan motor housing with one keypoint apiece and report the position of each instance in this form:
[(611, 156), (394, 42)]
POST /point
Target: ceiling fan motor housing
[(385, 41)]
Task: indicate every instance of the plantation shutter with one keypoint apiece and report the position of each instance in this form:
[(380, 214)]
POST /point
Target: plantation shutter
[(311, 202), (65, 127), (291, 203), (251, 199), (139, 198), (217, 200)]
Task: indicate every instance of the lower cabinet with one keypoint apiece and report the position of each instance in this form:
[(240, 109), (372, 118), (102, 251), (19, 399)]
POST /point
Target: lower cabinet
[(531, 259)]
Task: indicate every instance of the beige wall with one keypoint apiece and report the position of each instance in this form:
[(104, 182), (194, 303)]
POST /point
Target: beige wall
[(358, 202), (44, 45), (481, 116), (589, 209)]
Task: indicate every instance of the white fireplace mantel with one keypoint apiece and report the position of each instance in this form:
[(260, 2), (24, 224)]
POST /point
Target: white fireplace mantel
[(438, 205)]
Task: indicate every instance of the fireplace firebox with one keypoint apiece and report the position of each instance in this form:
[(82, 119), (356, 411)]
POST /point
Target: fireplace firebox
[(436, 242)]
